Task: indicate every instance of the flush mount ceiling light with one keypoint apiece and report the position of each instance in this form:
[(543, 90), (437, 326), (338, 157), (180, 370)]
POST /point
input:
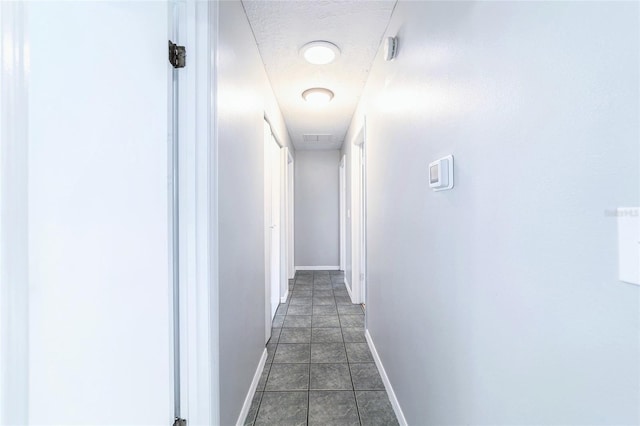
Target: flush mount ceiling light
[(320, 52), (317, 96)]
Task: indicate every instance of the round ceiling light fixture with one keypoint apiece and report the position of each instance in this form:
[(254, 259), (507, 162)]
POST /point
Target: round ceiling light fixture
[(317, 96), (320, 52)]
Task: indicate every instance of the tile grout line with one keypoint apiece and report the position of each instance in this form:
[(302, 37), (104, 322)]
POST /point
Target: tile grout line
[(313, 292), (309, 364), (310, 339), (353, 387)]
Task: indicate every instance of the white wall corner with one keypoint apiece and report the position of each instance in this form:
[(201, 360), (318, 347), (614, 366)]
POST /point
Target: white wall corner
[(385, 379), (284, 298), (252, 389)]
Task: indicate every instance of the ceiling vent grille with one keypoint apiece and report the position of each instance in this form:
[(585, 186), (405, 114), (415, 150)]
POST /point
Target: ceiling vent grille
[(317, 138)]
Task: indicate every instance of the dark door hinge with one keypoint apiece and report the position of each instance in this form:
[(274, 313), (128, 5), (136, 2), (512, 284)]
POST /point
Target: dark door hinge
[(179, 422), (177, 55)]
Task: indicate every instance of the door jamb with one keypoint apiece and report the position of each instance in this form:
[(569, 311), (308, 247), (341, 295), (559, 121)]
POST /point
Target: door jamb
[(267, 231), (199, 289), (358, 216), (14, 273), (286, 252), (283, 285), (343, 199), (291, 270)]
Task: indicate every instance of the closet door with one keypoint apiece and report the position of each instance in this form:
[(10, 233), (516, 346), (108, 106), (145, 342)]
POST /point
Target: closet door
[(100, 349)]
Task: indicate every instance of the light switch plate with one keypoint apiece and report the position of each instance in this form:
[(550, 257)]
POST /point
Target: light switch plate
[(629, 244)]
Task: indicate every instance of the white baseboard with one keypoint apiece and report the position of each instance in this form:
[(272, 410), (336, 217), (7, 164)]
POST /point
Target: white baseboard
[(252, 390), (385, 379), (317, 268), (284, 298)]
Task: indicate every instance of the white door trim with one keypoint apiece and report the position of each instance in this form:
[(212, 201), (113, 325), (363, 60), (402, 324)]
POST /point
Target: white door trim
[(358, 217), (276, 224), (14, 279), (209, 355), (267, 230), (290, 217), (343, 222), (269, 223), (198, 214), (285, 228)]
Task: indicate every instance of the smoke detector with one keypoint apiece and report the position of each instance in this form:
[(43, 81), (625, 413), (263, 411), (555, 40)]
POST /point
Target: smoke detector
[(390, 48)]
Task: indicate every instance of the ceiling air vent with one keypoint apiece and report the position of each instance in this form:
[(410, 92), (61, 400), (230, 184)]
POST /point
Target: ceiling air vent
[(317, 138)]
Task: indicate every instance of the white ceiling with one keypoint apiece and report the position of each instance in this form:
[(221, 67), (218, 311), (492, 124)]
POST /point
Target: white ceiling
[(281, 28)]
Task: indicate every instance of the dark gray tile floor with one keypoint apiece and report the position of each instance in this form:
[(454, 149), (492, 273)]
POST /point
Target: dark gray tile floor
[(319, 370)]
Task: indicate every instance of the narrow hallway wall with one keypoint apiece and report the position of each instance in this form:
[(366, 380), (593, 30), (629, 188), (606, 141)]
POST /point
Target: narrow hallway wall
[(317, 197), (244, 96), (498, 302)]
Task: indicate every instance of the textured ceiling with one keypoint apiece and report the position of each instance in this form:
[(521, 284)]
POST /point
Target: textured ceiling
[(281, 28)]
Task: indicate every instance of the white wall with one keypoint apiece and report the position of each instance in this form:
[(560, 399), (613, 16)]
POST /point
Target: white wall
[(498, 302), (317, 199), (99, 322), (244, 95)]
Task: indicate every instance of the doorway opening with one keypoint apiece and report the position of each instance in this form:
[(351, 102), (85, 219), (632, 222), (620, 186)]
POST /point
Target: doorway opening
[(278, 220)]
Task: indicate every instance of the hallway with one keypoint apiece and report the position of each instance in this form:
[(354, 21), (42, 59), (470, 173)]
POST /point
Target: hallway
[(319, 370), (196, 207)]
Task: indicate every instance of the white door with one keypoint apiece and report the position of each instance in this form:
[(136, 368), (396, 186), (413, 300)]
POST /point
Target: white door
[(99, 295), (363, 222), (358, 218), (276, 183), (272, 212)]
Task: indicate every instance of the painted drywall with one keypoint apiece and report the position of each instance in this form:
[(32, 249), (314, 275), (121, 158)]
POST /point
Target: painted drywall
[(244, 96), (498, 302), (99, 287), (317, 199)]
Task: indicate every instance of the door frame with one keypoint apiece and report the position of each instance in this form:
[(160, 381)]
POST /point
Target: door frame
[(343, 207), (283, 286), (267, 228), (276, 223), (14, 272), (291, 218), (286, 235), (199, 214), (358, 217)]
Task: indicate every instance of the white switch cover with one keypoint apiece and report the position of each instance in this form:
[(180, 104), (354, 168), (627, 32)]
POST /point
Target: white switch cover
[(629, 244)]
